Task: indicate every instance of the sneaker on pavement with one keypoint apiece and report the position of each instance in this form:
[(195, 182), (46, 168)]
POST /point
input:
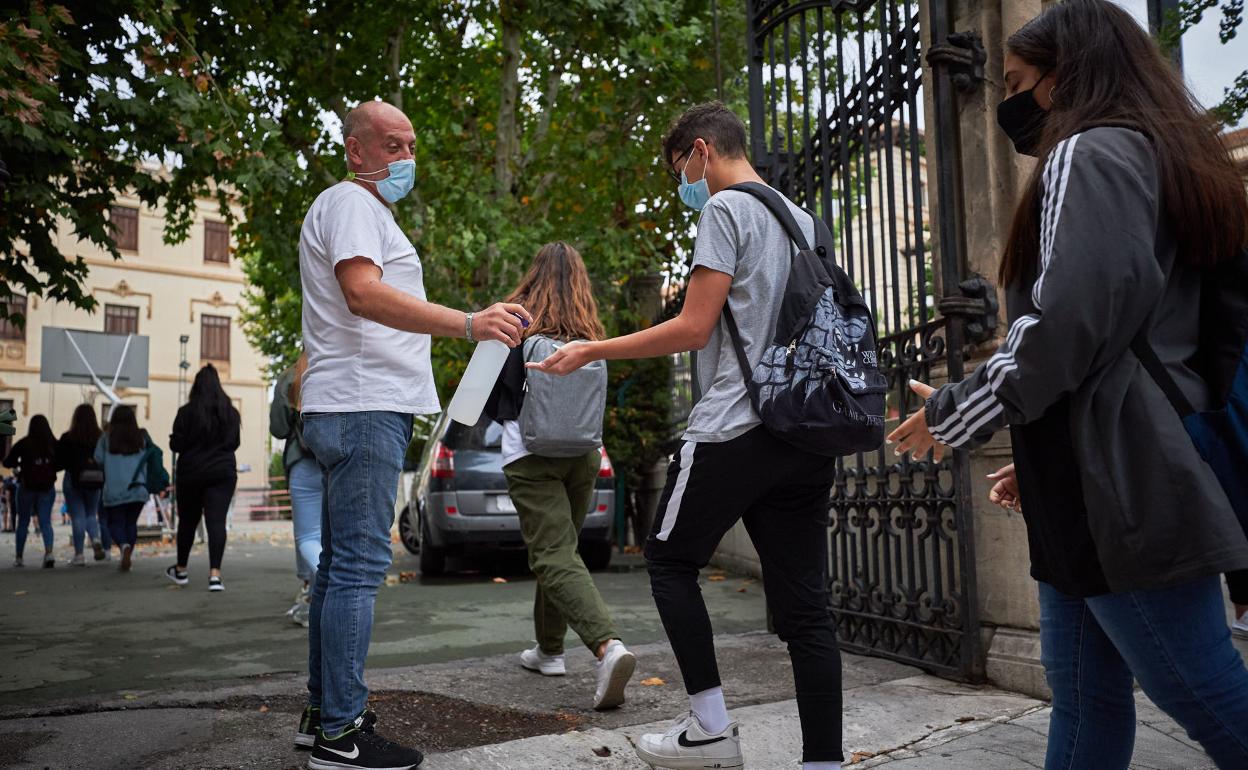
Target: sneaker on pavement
[(179, 578), (18, 562), (1241, 623), (686, 746), (127, 553), (359, 748), (100, 553), (310, 725), (78, 560), (215, 584), (49, 561), (546, 665), (614, 671)]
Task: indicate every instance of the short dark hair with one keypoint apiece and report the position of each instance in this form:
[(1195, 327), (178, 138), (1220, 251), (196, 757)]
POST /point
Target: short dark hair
[(713, 123)]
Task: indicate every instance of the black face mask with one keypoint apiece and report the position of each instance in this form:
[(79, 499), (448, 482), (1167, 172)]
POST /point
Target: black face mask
[(1022, 118)]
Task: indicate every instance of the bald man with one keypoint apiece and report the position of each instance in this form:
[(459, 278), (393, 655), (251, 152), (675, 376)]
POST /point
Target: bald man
[(366, 332)]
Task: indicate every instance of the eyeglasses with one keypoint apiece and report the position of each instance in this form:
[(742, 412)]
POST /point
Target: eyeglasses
[(671, 170)]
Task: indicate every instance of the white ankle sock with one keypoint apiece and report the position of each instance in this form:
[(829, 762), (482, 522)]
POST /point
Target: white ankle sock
[(821, 766), (709, 707)]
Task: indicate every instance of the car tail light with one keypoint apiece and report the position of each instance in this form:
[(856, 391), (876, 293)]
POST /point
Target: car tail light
[(443, 462), (605, 471)]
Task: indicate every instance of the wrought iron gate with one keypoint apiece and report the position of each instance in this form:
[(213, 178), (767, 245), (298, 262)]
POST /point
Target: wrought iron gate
[(836, 122)]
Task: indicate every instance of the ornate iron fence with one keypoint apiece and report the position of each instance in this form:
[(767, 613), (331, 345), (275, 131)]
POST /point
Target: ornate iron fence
[(837, 123)]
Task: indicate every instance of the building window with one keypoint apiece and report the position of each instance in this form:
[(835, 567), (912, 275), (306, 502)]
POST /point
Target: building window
[(216, 242), (121, 319), (8, 329), (125, 220), (105, 407), (214, 338), (6, 441)]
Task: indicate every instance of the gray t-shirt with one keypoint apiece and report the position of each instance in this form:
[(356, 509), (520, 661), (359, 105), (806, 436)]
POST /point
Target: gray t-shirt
[(739, 236)]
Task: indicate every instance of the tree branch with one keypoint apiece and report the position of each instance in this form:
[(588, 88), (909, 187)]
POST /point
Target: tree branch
[(553, 79), (394, 50)]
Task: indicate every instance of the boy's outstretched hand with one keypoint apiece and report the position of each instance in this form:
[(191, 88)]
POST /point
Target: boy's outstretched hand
[(566, 359), (912, 436)]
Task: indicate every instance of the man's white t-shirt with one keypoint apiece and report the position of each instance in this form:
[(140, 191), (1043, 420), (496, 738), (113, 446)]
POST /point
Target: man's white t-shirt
[(356, 365)]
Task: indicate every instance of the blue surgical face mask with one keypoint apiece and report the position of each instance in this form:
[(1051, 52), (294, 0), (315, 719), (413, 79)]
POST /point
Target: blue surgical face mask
[(694, 194), (394, 187)]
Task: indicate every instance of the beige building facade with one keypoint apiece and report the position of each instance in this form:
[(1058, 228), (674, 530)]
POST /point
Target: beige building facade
[(164, 292)]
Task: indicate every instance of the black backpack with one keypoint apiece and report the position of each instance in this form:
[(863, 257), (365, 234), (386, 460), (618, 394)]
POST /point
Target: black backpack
[(89, 476), (818, 385)]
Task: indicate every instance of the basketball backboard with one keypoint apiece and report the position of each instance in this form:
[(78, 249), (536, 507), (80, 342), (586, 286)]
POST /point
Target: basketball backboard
[(84, 357)]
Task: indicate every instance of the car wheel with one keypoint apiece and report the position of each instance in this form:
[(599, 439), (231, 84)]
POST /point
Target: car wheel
[(408, 533), (596, 554), (432, 559)]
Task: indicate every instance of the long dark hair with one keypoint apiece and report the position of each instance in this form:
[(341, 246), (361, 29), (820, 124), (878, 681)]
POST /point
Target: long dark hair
[(208, 406), (124, 436), (1109, 72), (84, 428), (40, 438), (558, 294)]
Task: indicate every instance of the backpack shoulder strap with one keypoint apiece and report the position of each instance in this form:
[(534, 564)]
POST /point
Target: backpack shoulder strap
[(1157, 370), (779, 209)]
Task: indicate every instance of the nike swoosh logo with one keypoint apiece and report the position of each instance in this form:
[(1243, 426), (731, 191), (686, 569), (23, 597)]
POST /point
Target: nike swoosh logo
[(355, 751), (683, 740)]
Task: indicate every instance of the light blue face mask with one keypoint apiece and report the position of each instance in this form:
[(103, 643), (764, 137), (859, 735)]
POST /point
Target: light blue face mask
[(396, 186), (694, 194)]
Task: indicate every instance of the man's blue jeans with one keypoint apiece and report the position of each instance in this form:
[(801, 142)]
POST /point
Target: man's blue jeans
[(31, 502), (361, 456), (1175, 641), (307, 491)]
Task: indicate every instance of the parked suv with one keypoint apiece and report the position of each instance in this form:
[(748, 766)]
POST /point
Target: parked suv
[(459, 501)]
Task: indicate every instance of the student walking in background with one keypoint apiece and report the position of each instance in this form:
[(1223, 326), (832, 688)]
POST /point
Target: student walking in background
[(1133, 199), (84, 478), (122, 452), (303, 479), (552, 432), (205, 435), (34, 457)]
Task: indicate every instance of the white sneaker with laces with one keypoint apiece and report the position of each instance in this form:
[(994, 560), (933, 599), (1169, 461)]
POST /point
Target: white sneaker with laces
[(546, 665), (1241, 623), (686, 746), (614, 671)]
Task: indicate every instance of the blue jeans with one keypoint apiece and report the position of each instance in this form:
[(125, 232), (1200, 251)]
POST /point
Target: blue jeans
[(361, 457), (38, 503), (84, 512), (1175, 641), (306, 493), (123, 523)]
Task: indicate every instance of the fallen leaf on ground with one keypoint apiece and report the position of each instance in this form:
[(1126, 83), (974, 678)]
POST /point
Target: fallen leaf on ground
[(19, 593), (130, 696), (653, 681), (716, 578), (500, 580), (264, 709), (603, 752), (858, 756), (632, 549), (392, 580), (407, 577), (742, 591)]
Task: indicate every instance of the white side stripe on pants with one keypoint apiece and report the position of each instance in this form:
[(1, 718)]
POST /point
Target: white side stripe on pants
[(678, 492)]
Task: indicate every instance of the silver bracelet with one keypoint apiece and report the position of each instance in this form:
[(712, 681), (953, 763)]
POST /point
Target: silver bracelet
[(468, 327)]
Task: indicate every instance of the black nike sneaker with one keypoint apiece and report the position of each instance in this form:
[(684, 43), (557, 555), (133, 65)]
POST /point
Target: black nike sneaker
[(310, 725), (359, 748)]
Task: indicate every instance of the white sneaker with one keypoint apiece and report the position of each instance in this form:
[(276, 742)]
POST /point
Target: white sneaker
[(78, 561), (1241, 623), (18, 562), (686, 746), (614, 671), (546, 665)]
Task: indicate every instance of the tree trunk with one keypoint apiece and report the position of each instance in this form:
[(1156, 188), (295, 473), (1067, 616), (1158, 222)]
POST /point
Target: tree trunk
[(507, 147)]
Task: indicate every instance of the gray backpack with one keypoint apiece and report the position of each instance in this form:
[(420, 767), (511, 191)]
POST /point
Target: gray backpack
[(562, 416)]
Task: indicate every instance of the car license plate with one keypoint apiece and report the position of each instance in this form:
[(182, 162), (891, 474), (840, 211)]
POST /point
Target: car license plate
[(504, 504)]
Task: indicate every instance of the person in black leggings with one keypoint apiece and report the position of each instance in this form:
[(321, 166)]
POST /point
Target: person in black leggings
[(205, 435)]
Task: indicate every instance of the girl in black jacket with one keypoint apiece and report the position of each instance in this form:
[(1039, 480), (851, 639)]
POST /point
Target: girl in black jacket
[(205, 435), (34, 457), (84, 478), (1128, 527)]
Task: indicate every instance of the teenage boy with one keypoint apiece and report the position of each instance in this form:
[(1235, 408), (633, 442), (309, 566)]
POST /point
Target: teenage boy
[(729, 466)]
